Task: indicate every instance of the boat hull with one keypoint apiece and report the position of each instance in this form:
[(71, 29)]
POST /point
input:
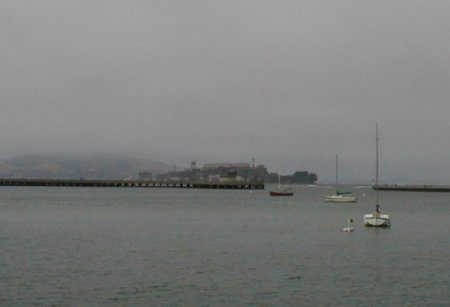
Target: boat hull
[(340, 199), (273, 193), (377, 220)]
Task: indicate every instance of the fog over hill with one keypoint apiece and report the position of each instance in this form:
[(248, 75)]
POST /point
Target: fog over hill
[(96, 166)]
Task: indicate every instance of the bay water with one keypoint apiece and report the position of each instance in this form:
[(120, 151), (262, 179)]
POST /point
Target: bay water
[(182, 247)]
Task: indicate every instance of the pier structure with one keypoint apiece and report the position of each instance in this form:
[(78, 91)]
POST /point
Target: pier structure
[(412, 188), (130, 184)]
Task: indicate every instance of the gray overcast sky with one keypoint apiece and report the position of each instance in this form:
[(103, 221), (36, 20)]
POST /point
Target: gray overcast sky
[(291, 83)]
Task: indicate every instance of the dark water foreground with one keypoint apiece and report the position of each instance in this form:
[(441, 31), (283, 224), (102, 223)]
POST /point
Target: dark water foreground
[(122, 247)]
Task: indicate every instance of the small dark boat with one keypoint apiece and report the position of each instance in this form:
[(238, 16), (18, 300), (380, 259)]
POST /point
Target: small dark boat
[(281, 193)]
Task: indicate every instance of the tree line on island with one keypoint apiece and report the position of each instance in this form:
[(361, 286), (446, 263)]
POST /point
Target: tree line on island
[(299, 177)]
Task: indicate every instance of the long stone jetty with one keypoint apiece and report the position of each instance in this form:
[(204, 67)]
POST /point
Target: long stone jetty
[(412, 188), (130, 184)]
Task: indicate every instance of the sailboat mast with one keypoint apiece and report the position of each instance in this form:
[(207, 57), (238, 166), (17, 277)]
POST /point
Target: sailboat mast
[(376, 164), (279, 171), (337, 182)]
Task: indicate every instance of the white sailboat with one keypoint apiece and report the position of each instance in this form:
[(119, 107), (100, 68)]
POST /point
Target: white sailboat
[(377, 218), (340, 197)]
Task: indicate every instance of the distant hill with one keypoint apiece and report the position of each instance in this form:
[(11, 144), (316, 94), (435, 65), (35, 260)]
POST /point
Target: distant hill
[(98, 166)]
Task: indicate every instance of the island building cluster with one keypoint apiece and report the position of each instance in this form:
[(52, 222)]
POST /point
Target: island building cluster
[(229, 173)]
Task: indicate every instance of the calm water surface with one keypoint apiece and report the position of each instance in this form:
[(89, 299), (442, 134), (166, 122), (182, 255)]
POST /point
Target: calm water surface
[(159, 247)]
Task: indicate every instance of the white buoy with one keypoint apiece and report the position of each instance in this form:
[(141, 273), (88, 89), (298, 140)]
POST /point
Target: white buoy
[(349, 227)]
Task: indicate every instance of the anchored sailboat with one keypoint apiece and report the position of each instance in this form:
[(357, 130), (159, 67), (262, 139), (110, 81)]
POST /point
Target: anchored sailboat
[(285, 192), (376, 218), (340, 197)]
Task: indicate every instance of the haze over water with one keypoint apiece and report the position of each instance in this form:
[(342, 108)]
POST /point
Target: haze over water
[(113, 246)]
